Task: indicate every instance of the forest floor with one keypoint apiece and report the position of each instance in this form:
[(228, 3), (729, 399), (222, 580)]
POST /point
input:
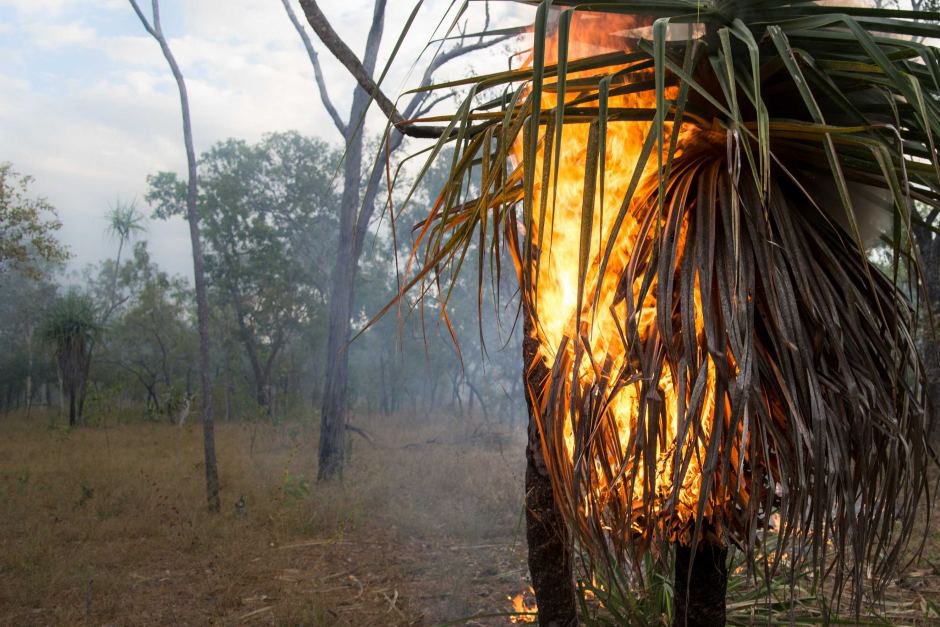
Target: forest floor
[(107, 525)]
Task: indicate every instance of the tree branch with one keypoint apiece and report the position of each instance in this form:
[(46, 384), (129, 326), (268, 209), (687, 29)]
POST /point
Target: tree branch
[(375, 38), (317, 71), (143, 20), (347, 57), (426, 108), (932, 216), (363, 72)]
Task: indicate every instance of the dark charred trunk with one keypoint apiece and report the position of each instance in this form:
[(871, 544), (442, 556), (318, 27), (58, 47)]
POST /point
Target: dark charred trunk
[(73, 408), (929, 244), (550, 556), (29, 370), (153, 399), (261, 374), (81, 404), (261, 395), (701, 585)]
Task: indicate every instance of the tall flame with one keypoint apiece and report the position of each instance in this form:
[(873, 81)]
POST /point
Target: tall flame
[(556, 277)]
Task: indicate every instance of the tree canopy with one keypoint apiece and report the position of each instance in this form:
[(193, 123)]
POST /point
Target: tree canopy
[(267, 216), (27, 226)]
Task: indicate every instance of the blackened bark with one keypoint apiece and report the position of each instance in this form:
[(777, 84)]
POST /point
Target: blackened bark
[(550, 557), (701, 585), (929, 244), (549, 550), (73, 407)]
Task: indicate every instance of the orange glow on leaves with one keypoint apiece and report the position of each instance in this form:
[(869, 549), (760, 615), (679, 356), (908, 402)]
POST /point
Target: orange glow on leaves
[(556, 279)]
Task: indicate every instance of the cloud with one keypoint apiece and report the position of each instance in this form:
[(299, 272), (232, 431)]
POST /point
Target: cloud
[(60, 35), (50, 8), (90, 108)]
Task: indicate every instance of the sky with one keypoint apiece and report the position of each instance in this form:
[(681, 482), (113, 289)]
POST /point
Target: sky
[(89, 107)]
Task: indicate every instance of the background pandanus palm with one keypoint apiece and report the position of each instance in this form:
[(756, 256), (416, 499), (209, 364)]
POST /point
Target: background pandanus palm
[(689, 191), (70, 330)]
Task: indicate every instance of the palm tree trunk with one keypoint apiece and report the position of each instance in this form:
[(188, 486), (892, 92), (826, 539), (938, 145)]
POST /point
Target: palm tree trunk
[(550, 558), (117, 268), (701, 585)]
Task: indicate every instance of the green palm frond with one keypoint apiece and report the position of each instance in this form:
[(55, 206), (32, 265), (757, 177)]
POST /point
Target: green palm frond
[(125, 220), (70, 328), (775, 141)]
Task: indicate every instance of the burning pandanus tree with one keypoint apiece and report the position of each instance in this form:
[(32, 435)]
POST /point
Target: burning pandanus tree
[(689, 191)]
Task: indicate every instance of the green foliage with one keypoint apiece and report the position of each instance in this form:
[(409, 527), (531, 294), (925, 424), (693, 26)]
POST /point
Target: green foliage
[(124, 220), (268, 223), (647, 598), (71, 324), (152, 340), (23, 305), (70, 328), (295, 487), (27, 226)]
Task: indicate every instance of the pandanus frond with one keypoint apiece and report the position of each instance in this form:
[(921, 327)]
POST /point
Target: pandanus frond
[(125, 220), (689, 190), (70, 328)]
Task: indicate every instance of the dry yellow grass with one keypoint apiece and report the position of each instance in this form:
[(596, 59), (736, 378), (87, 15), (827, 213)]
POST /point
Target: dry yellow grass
[(108, 525)]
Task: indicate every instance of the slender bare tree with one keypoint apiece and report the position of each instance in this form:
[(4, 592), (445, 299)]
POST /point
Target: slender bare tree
[(155, 30), (356, 211)]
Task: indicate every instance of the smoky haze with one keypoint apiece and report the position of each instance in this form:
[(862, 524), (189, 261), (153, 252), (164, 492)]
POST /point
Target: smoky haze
[(105, 426)]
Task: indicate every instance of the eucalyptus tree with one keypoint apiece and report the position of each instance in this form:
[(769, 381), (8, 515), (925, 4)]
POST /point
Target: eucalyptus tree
[(358, 201), (151, 342), (154, 28), (688, 191), (26, 299), (27, 226), (267, 212), (29, 254)]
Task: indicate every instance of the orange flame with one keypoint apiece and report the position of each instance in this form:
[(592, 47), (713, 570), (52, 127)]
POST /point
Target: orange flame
[(525, 609), (556, 297)]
